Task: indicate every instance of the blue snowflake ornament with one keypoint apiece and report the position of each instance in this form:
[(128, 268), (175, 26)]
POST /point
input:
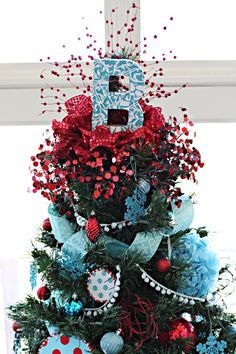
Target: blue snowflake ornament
[(212, 346), (135, 206), (72, 266)]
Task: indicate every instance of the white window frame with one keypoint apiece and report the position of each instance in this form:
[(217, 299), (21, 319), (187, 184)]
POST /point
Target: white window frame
[(209, 96)]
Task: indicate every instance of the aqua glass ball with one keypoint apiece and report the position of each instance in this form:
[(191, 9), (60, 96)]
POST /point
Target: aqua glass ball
[(112, 343)]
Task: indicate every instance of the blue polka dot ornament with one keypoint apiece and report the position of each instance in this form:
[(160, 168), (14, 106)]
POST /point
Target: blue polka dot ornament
[(101, 284), (112, 343), (74, 307)]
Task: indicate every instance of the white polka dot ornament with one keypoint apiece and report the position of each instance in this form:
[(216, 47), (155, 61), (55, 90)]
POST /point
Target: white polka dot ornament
[(59, 344), (101, 284)]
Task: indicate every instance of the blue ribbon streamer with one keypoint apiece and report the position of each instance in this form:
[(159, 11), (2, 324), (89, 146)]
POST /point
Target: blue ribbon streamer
[(61, 227), (145, 243)]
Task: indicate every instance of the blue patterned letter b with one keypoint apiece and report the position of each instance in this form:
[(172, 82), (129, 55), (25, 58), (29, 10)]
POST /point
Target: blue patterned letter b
[(103, 99)]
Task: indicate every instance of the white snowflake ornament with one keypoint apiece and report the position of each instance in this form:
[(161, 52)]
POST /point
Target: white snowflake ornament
[(212, 346)]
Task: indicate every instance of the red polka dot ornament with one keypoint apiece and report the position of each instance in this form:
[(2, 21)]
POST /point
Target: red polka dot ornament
[(60, 344)]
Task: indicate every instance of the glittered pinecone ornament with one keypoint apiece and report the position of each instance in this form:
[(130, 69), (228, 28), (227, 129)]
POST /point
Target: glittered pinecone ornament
[(92, 228)]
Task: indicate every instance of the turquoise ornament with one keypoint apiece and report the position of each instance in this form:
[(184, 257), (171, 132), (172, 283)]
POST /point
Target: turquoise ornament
[(112, 343), (74, 307), (104, 100)]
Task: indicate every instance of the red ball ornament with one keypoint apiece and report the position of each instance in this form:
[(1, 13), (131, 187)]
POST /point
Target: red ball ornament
[(43, 293), (179, 329), (163, 265), (47, 225), (92, 228), (16, 327)]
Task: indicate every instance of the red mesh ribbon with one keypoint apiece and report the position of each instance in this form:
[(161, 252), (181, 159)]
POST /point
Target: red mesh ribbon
[(102, 136), (75, 130), (139, 320), (80, 105)]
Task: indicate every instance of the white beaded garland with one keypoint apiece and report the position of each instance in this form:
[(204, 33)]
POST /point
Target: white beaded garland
[(184, 299)]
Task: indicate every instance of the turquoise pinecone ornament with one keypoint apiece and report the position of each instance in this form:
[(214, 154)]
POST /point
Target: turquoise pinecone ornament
[(112, 343)]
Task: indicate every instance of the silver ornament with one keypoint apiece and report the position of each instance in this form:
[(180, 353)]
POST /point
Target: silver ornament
[(112, 343), (144, 185)]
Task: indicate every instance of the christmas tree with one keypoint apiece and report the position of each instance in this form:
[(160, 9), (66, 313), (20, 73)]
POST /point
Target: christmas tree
[(122, 270)]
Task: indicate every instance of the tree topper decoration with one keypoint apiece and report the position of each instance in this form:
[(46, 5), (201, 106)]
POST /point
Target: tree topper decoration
[(104, 100)]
